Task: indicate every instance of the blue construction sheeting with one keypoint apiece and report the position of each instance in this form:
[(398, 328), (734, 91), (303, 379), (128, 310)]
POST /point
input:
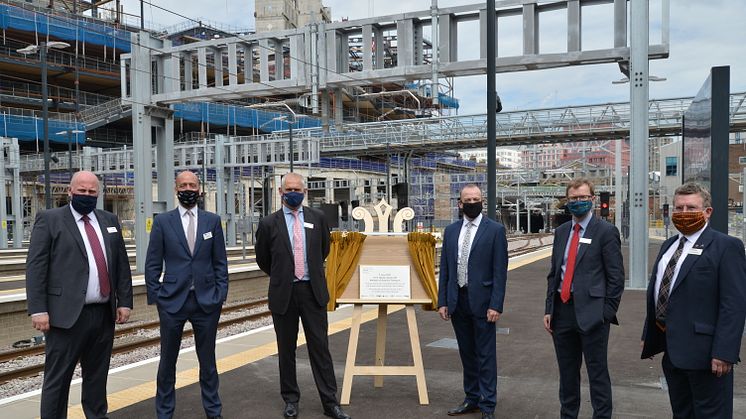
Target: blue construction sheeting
[(64, 28), (219, 114), (27, 128), (444, 100)]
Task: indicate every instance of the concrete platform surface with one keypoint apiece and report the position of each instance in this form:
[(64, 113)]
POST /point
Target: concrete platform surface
[(527, 368)]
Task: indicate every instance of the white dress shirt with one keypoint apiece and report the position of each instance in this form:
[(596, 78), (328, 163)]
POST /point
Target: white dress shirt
[(690, 241), (93, 292)]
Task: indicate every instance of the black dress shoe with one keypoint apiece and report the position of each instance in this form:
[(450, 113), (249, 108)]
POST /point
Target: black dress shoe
[(486, 415), (291, 410), (463, 409), (215, 417), (336, 412)]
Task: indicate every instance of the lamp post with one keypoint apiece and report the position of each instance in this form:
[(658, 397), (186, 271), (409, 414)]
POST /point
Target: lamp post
[(69, 133), (290, 124), (42, 49)]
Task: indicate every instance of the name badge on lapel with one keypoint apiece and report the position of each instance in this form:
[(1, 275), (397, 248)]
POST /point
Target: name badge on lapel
[(111, 229), (585, 240), (207, 236), (696, 252), (308, 225)]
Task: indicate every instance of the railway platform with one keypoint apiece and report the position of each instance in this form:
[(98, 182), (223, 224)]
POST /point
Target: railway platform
[(527, 369)]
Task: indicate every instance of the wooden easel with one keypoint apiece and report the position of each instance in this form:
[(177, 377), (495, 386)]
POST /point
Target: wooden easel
[(384, 250)]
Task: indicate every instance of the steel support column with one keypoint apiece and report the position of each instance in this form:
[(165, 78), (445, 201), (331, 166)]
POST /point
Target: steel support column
[(639, 92)]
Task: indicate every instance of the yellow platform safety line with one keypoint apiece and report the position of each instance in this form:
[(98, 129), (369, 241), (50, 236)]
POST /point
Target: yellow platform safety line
[(145, 391)]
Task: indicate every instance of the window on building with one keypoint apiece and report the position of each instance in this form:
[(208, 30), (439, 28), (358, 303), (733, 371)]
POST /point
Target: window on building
[(671, 166), (742, 160)]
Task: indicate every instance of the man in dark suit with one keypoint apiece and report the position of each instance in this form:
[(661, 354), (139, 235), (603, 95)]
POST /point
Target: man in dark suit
[(696, 305), (189, 242), (473, 274), (78, 284), (291, 246), (584, 288)]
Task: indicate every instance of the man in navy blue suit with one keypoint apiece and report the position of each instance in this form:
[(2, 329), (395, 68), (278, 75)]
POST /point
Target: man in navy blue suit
[(473, 274), (696, 306), (189, 242), (584, 288)]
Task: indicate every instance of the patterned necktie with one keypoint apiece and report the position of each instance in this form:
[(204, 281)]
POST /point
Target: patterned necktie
[(463, 257), (98, 257), (570, 267), (298, 246), (665, 289), (190, 232)]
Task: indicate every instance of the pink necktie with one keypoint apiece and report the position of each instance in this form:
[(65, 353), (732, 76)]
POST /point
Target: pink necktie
[(98, 257), (298, 246)]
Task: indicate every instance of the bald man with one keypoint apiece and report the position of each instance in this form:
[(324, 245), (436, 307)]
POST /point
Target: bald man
[(189, 243), (78, 284)]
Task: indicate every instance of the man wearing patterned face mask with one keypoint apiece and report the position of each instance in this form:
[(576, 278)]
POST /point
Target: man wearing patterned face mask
[(584, 287), (696, 306), (194, 287)]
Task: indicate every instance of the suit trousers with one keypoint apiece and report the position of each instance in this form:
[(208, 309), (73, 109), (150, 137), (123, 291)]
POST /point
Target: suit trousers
[(571, 346), (89, 341), (698, 393), (205, 326), (478, 351), (315, 326)]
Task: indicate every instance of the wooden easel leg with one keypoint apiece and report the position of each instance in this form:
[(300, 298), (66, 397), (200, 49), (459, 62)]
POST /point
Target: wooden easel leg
[(419, 367), (380, 342), (357, 313)]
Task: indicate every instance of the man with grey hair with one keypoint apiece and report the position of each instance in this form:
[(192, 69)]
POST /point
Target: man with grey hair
[(78, 284), (696, 306), (291, 246)]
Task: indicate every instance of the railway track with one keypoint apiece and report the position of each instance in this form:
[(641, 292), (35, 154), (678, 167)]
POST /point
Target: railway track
[(31, 370)]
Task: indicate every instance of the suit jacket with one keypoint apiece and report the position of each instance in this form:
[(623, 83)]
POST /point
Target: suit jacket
[(57, 266), (706, 306), (487, 268), (274, 255), (168, 253), (598, 279)]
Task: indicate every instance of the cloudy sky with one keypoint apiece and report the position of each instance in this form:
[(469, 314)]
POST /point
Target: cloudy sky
[(703, 34)]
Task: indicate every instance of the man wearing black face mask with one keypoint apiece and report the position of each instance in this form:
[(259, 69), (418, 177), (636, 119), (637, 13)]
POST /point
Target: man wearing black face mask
[(696, 306), (78, 284), (194, 287), (473, 274), (584, 288), (291, 246)]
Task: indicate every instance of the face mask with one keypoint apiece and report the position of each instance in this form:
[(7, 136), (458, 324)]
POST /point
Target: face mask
[(293, 199), (188, 198), (579, 208), (84, 204), (688, 222), (472, 209)]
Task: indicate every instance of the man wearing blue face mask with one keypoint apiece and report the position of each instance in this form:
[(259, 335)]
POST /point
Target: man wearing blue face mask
[(291, 246), (584, 288)]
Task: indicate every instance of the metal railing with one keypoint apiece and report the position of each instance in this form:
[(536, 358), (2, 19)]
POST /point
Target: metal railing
[(62, 94)]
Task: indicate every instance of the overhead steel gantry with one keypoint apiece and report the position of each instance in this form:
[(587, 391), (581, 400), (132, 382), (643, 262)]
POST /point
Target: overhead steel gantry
[(550, 125), (314, 60)]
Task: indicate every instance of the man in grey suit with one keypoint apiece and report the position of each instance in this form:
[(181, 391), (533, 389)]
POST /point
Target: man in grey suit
[(291, 246), (584, 288), (78, 284)]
